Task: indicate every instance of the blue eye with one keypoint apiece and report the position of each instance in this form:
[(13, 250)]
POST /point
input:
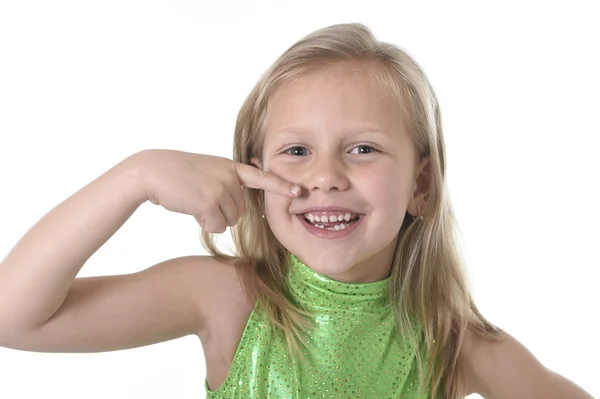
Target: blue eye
[(297, 151), (363, 149)]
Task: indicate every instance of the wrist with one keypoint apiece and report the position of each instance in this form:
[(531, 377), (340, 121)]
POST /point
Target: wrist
[(132, 173)]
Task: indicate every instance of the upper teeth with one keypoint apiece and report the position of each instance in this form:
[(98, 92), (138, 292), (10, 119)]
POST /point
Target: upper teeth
[(329, 218)]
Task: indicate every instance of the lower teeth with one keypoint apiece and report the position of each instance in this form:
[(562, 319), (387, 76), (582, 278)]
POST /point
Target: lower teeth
[(337, 227)]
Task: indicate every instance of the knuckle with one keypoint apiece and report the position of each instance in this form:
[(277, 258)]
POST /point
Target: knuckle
[(230, 221), (210, 227), (205, 208), (219, 192)]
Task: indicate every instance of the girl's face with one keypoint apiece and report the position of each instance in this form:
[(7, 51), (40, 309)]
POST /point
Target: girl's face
[(349, 150)]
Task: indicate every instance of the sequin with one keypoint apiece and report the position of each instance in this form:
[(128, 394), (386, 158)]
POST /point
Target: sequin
[(354, 351)]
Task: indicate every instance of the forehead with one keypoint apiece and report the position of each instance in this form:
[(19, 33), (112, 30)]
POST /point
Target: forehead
[(334, 99)]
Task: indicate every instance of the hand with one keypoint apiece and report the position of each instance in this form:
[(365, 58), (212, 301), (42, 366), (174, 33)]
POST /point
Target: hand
[(206, 187)]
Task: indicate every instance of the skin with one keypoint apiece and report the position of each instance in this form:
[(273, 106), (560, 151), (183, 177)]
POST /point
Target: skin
[(346, 146), (202, 296)]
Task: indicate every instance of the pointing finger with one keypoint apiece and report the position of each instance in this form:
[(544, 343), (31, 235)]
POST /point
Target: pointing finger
[(256, 178)]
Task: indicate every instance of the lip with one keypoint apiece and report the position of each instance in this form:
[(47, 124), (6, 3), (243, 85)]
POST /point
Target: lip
[(331, 208)]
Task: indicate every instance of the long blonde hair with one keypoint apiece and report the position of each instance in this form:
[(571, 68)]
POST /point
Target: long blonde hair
[(427, 277)]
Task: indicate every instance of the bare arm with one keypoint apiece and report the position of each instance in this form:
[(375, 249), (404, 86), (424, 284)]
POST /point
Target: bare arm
[(44, 307), (108, 313), (508, 370), (37, 273)]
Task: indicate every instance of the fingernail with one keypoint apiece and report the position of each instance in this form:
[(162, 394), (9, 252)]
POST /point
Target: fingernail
[(295, 189)]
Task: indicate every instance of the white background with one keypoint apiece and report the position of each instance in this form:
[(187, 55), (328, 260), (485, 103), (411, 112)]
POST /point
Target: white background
[(85, 84)]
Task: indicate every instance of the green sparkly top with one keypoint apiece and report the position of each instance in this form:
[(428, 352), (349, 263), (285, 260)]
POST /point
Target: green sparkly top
[(354, 351)]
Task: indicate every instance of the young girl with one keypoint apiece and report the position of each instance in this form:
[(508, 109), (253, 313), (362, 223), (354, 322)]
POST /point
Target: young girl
[(346, 281)]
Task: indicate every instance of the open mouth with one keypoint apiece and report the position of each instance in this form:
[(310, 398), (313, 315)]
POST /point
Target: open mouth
[(332, 221)]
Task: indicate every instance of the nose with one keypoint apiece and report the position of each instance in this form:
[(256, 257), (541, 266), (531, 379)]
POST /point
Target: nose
[(327, 173)]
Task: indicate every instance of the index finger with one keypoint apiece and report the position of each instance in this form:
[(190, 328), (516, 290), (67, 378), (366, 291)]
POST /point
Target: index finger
[(253, 177)]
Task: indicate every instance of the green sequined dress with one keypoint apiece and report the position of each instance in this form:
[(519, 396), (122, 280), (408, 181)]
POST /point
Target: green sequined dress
[(354, 351)]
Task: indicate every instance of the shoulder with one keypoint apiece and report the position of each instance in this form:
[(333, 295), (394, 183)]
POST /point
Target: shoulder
[(208, 269), (197, 271), (505, 368), (218, 287), (210, 278)]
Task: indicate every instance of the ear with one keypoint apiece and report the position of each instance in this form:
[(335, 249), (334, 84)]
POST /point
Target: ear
[(421, 187), (256, 163)]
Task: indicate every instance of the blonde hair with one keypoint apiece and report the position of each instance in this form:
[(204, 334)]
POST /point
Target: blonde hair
[(427, 280)]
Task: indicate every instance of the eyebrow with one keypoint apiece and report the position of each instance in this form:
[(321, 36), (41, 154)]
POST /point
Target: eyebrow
[(357, 130)]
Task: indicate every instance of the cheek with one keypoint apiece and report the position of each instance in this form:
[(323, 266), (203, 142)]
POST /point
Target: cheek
[(275, 204), (388, 192), (283, 170), (389, 199)]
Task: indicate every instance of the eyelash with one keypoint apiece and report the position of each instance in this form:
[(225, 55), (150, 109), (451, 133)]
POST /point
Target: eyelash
[(372, 149)]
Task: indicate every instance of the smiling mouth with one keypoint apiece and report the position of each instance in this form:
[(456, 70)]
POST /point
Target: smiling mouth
[(331, 222)]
